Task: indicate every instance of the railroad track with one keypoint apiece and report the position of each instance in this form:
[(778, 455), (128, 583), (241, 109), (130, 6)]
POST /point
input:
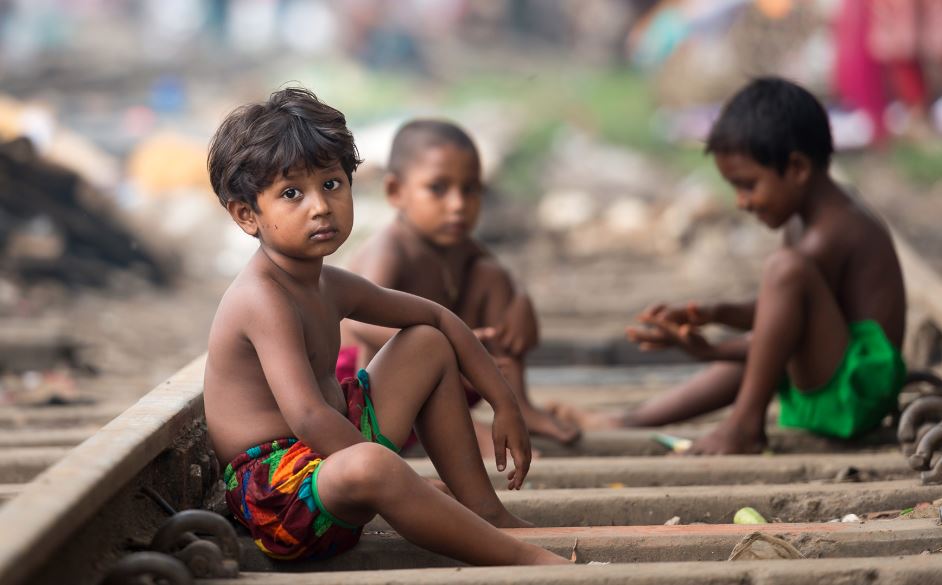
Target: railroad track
[(76, 497)]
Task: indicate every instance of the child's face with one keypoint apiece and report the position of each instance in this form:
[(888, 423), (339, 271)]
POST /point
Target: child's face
[(439, 194), (305, 214), (760, 190)]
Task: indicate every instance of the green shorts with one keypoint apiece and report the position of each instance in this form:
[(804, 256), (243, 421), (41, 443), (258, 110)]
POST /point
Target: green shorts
[(863, 390)]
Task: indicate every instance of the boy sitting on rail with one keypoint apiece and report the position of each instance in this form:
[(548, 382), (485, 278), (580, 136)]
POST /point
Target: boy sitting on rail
[(311, 460), (826, 329), (434, 182)]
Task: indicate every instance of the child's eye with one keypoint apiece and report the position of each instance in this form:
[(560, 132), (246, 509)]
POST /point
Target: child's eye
[(332, 184), (438, 188), (291, 194), (471, 190)]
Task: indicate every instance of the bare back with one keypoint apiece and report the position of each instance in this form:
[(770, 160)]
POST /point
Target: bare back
[(241, 410), (854, 251)]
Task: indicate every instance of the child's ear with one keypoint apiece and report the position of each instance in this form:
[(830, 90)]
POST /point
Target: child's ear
[(243, 214), (393, 189), (799, 167)]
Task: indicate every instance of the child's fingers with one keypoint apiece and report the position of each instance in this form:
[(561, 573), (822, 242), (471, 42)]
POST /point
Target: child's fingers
[(484, 333), (510, 478), (651, 311), (521, 466), (647, 334), (500, 453), (693, 311)]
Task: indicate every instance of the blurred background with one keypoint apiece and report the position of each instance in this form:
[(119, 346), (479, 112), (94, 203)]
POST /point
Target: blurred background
[(590, 116)]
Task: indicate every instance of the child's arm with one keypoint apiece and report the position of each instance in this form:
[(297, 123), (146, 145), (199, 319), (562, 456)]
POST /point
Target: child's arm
[(364, 301), (518, 331), (664, 334), (736, 315), (274, 329)]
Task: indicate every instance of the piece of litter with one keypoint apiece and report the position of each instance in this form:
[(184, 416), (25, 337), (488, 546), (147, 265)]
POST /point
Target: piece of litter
[(759, 546), (598, 563), (748, 515), (673, 521), (851, 518), (615, 485), (675, 444)]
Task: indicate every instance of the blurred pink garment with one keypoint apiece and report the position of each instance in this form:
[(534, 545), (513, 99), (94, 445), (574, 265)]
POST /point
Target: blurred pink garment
[(897, 38), (931, 30), (892, 30), (857, 74)]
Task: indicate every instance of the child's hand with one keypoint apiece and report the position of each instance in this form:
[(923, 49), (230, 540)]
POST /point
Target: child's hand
[(510, 432), (692, 313), (517, 333), (664, 334)]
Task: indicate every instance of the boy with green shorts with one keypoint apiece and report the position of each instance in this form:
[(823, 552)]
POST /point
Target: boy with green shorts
[(826, 328)]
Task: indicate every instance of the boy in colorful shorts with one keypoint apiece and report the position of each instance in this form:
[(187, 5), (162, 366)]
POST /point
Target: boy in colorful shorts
[(311, 460), (826, 328), (434, 182)]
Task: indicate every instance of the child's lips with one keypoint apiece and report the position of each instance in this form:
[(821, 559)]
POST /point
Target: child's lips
[(323, 234), (455, 228)]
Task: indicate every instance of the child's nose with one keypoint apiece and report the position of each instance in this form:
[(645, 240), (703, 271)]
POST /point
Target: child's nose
[(456, 199), (742, 202), (318, 205)]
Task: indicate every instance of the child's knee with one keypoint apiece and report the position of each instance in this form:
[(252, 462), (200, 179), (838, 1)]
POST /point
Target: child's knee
[(364, 470), (431, 341), (787, 266)]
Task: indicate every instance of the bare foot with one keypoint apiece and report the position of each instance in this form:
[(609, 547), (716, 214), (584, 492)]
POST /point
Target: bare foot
[(440, 486), (504, 519), (728, 439), (545, 424), (586, 419)]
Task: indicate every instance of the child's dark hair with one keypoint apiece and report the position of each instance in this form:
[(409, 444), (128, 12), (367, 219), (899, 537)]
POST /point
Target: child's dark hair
[(420, 135), (768, 120), (256, 142)]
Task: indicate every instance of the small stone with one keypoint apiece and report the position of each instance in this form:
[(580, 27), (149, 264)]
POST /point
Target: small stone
[(851, 518), (673, 521)]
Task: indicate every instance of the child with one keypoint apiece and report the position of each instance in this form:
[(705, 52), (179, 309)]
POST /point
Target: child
[(827, 326), (434, 181), (312, 460)]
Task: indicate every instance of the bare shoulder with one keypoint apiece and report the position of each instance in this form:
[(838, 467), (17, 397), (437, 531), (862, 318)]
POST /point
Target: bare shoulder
[(384, 242), (381, 258), (846, 231), (481, 263), (255, 298)]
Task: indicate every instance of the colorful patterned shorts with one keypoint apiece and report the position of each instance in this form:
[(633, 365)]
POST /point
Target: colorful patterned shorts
[(272, 489)]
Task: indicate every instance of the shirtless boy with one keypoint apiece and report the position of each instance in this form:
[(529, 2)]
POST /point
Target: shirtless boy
[(434, 182), (826, 328), (312, 460)]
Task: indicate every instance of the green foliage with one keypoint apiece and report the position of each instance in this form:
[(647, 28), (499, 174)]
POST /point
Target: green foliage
[(920, 163)]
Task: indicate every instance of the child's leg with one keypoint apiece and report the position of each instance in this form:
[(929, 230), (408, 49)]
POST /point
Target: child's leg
[(414, 379), (799, 327), (710, 389), (486, 298), (357, 482)]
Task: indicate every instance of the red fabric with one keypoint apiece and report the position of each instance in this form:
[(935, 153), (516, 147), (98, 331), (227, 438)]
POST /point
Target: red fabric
[(347, 368), (269, 490)]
